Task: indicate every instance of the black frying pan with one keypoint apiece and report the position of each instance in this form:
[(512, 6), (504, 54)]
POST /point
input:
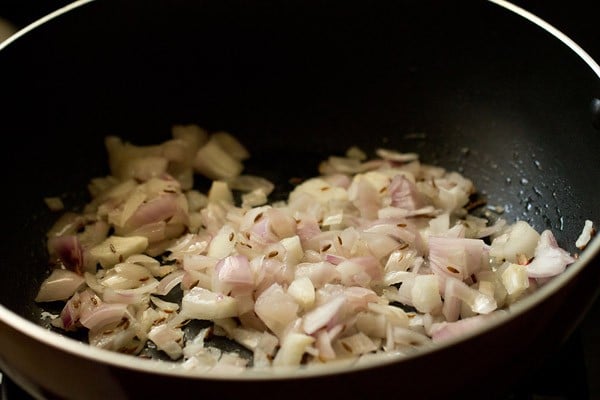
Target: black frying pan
[(296, 82)]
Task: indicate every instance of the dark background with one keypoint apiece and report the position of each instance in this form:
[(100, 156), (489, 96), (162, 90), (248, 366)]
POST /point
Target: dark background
[(577, 19), (572, 371)]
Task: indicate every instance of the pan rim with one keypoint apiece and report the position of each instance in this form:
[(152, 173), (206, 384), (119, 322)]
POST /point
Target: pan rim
[(113, 359)]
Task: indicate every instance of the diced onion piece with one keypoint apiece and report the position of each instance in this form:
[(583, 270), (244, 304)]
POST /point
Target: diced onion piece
[(303, 291), (167, 339), (276, 308), (450, 330), (550, 259), (519, 238), (458, 290), (250, 183), (223, 243), (215, 162), (292, 349), (231, 145), (293, 247), (515, 280), (219, 192), (196, 200), (168, 282), (116, 249), (255, 198), (426, 294), (356, 153), (392, 155), (358, 344), (191, 134), (319, 190), (323, 314), (102, 315), (586, 235), (60, 285), (233, 273), (200, 303), (456, 257)]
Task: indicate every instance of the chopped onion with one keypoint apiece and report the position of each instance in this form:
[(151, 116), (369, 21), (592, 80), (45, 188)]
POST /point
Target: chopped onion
[(519, 238), (550, 260), (60, 285), (200, 303), (320, 276), (586, 235)]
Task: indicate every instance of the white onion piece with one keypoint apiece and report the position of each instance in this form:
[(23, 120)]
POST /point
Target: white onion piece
[(360, 271), (254, 198), (515, 279), (359, 343), (115, 249), (425, 294), (318, 273), (167, 339), (250, 183), (443, 331), (231, 145), (223, 243), (219, 192), (191, 134), (392, 155), (292, 348), (276, 308), (168, 282), (404, 194), (372, 324), (345, 165), (126, 296), (323, 344), (303, 291), (233, 273), (203, 304), (409, 337), (60, 285), (256, 340), (120, 337), (69, 315), (550, 260), (214, 162), (104, 314), (456, 257), (293, 250), (586, 235), (519, 238), (477, 301), (323, 315), (364, 196), (198, 262)]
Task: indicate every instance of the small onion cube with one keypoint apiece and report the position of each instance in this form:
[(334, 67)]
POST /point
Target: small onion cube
[(60, 285), (200, 303)]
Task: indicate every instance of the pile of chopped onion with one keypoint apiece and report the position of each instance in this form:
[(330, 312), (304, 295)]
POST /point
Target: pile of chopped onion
[(372, 256)]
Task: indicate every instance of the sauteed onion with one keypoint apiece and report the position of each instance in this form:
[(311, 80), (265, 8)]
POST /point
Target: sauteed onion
[(371, 256)]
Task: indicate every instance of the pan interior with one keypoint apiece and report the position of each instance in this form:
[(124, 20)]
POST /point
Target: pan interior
[(296, 82)]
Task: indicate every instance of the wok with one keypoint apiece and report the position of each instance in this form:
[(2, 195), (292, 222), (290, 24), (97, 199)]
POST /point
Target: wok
[(297, 81)]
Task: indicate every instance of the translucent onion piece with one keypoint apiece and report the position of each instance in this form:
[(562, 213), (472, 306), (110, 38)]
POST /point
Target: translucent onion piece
[(586, 235), (203, 304), (60, 285)]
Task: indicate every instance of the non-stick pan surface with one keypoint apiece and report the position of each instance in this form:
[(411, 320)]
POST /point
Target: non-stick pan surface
[(469, 85)]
